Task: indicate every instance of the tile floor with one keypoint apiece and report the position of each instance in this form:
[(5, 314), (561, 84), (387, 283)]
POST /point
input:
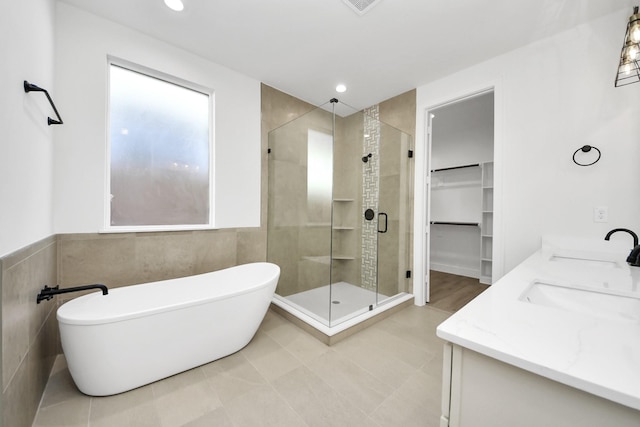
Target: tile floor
[(386, 375)]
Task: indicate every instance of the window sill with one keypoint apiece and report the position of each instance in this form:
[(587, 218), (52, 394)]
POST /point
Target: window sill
[(155, 228)]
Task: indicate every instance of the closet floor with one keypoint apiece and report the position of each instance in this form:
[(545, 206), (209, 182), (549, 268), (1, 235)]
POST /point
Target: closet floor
[(450, 292)]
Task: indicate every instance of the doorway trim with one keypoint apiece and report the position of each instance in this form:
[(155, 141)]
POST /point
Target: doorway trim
[(425, 105)]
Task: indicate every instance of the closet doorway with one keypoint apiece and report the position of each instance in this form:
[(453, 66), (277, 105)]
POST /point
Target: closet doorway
[(460, 200)]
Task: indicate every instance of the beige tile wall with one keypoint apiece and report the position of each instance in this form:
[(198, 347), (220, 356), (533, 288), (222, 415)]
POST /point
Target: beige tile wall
[(130, 258), (29, 330), (400, 112), (347, 175), (292, 245), (277, 109)]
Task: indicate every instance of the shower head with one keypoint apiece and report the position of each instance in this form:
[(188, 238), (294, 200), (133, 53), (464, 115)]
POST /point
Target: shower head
[(365, 159)]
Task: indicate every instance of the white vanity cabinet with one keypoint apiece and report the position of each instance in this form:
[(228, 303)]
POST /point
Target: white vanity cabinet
[(479, 391), (570, 359)]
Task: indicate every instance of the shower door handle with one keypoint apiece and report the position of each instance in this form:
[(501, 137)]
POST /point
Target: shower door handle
[(385, 222)]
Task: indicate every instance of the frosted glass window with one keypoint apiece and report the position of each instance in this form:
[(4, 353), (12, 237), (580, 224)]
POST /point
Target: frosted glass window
[(160, 152)]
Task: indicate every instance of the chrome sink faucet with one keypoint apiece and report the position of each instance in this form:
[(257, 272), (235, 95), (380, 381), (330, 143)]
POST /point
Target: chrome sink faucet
[(634, 257)]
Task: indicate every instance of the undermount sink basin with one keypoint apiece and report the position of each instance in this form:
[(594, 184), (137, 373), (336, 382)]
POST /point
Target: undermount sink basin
[(577, 261), (591, 302)]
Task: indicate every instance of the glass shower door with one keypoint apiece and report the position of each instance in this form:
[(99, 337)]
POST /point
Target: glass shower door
[(339, 213), (371, 213), (300, 163), (353, 288), (394, 215)]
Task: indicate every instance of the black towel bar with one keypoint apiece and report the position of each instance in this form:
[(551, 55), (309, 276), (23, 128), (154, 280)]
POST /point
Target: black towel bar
[(30, 87)]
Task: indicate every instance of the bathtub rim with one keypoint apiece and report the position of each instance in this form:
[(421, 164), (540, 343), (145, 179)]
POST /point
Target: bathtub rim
[(64, 319)]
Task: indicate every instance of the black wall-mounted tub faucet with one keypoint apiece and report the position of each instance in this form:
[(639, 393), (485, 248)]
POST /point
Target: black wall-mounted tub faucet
[(48, 293)]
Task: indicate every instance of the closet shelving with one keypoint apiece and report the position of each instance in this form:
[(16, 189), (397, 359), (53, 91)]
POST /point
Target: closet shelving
[(455, 219), (486, 235), (456, 176), (454, 195), (462, 198)]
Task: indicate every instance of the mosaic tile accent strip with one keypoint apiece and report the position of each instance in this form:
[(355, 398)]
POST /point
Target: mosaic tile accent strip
[(370, 197)]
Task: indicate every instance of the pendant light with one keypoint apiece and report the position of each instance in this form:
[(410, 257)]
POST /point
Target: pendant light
[(629, 66)]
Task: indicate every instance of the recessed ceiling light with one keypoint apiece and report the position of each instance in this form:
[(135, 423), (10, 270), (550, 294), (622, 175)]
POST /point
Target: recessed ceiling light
[(176, 5), (341, 88)]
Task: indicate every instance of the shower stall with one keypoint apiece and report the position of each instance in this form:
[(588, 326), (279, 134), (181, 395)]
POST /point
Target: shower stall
[(339, 216)]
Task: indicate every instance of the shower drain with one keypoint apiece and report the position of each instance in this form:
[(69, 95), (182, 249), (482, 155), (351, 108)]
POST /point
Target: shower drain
[(335, 302)]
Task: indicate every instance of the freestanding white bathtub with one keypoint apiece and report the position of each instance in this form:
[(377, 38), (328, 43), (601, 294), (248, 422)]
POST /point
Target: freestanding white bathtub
[(139, 334)]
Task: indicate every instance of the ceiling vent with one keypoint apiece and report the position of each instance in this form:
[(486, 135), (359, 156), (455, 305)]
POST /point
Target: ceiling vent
[(361, 6)]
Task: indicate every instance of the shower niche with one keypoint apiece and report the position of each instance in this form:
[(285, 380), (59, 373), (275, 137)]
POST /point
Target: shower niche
[(339, 211)]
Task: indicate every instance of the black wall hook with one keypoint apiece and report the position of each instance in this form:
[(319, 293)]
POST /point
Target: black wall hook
[(30, 87), (586, 149)]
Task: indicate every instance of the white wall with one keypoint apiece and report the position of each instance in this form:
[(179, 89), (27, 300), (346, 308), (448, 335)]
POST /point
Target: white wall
[(26, 142), (552, 97), (463, 132), (83, 42)]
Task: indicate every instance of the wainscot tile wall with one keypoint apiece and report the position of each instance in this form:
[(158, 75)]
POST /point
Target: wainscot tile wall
[(29, 330), (130, 258), (30, 339)]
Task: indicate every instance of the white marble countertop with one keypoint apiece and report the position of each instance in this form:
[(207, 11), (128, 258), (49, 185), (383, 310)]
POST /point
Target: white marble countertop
[(588, 343)]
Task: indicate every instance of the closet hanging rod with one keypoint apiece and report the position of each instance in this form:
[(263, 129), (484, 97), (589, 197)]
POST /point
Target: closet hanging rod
[(470, 224), (456, 167), (30, 87)]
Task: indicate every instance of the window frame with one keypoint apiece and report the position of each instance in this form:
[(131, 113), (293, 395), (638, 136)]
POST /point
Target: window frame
[(149, 72)]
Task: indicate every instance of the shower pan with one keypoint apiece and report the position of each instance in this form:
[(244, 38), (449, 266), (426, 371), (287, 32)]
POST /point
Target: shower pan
[(339, 216)]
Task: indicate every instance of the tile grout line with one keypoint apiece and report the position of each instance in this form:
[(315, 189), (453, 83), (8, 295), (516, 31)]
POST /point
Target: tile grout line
[(284, 399), (89, 412), (269, 382)]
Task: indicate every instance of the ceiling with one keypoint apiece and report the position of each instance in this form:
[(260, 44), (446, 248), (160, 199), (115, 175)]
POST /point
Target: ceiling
[(306, 47)]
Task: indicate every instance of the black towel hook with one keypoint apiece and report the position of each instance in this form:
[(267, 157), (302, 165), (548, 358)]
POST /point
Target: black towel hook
[(30, 87), (586, 149)]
